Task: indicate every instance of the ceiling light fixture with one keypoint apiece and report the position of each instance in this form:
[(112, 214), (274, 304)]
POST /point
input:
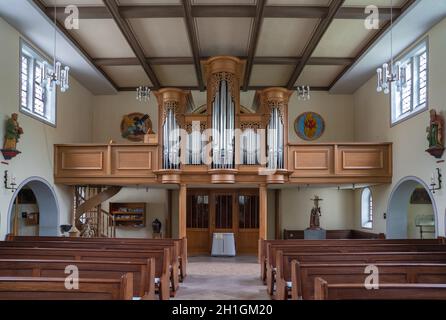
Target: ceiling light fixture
[(393, 73), (57, 75), (303, 92), (143, 94)]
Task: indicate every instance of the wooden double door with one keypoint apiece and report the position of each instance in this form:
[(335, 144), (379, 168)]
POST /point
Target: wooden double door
[(222, 210)]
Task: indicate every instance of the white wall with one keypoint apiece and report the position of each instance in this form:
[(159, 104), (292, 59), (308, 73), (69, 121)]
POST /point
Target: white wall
[(108, 112), (156, 200), (336, 208), (372, 123), (73, 125)]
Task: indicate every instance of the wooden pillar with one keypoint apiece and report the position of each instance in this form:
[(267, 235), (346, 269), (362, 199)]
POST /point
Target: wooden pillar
[(169, 214), (263, 212), (182, 201), (277, 214)]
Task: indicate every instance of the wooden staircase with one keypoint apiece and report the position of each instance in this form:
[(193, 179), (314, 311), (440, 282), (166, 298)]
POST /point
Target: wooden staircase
[(88, 202)]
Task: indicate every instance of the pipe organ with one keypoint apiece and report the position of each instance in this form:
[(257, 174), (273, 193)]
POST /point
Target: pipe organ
[(274, 103), (172, 106), (223, 76)]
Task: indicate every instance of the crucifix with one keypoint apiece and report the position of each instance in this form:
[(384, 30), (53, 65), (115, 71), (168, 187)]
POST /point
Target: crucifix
[(315, 214)]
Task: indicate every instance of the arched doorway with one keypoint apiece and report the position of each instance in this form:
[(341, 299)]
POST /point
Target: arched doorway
[(46, 204), (401, 218)]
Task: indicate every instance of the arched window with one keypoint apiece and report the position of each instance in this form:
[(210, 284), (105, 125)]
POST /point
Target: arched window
[(366, 209)]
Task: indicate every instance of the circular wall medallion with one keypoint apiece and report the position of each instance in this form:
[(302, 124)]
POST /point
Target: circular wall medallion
[(135, 125), (309, 126)]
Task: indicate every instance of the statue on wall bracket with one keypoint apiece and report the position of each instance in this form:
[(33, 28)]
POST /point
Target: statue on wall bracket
[(12, 136), (435, 135)]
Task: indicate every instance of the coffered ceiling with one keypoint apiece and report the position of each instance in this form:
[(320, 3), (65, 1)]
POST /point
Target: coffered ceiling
[(161, 43)]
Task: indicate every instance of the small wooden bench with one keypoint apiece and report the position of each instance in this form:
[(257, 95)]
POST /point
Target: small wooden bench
[(143, 273), (29, 288), (388, 291)]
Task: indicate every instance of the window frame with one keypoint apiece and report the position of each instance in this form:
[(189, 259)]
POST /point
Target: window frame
[(31, 88), (411, 53), (368, 222)]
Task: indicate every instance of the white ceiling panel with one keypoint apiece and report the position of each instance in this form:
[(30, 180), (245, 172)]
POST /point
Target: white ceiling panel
[(322, 3), (162, 37), (270, 75), (148, 2), (344, 38), (222, 2), (378, 3), (128, 76), (102, 39), (319, 76), (60, 3), (178, 75), (285, 37), (223, 36)]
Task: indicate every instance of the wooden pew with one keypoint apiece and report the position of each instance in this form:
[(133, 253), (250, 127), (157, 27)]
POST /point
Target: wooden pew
[(143, 273), (29, 288), (263, 245), (335, 234), (304, 274), (161, 257), (391, 291), (347, 247), (180, 243), (105, 245)]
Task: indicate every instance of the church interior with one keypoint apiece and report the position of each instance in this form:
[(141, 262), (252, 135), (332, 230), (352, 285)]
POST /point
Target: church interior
[(222, 149)]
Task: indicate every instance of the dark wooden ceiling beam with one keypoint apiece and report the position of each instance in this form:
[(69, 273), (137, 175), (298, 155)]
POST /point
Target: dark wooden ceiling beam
[(216, 11), (127, 32), (253, 42), (314, 41), (61, 28), (193, 41), (372, 41), (325, 61)]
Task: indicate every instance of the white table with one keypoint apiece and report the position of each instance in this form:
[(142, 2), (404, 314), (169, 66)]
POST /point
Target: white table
[(223, 245)]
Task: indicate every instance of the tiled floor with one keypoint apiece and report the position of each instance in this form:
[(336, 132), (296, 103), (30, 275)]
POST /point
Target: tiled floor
[(211, 278)]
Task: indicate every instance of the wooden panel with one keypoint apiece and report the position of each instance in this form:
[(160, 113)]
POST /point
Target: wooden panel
[(248, 241), (311, 160), (133, 160), (363, 160), (198, 241), (80, 161)]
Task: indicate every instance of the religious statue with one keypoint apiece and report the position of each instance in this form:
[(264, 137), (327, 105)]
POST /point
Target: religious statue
[(87, 229), (435, 134), (315, 214), (12, 136)]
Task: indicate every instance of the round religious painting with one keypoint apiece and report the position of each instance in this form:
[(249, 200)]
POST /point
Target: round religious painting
[(135, 125), (309, 126)]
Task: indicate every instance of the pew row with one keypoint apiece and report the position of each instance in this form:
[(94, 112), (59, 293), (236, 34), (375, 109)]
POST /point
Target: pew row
[(143, 273), (263, 245), (271, 260), (37, 288), (161, 258), (174, 269), (303, 275), (388, 291), (335, 234), (181, 244)]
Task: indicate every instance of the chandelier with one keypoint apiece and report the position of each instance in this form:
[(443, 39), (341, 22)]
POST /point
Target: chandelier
[(58, 75), (143, 94), (303, 92), (393, 73)]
